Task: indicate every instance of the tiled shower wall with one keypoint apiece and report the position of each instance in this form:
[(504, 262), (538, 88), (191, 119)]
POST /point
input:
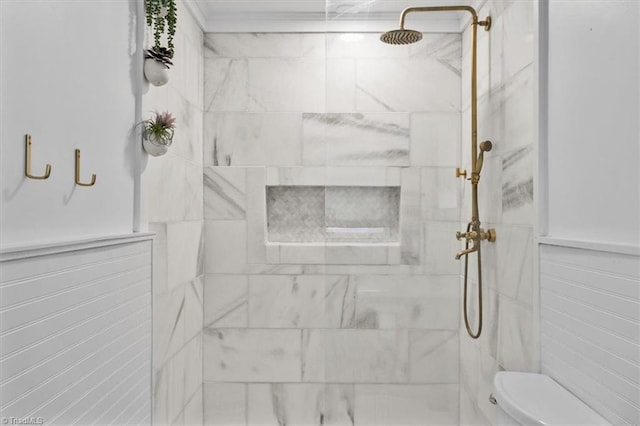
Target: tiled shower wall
[(331, 334), (506, 89), (173, 193)]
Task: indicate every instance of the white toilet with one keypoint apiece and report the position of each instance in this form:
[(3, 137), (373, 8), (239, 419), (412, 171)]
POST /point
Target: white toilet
[(536, 399)]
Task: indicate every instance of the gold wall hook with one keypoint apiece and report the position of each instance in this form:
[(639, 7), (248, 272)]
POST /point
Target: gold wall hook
[(93, 176), (460, 172), (27, 162)]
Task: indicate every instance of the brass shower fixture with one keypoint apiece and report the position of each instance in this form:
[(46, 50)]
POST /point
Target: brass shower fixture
[(474, 234)]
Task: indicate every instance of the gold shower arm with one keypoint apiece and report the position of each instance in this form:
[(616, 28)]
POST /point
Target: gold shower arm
[(486, 23)]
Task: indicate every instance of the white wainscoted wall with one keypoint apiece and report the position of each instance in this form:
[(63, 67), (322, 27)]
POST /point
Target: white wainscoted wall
[(173, 202), (590, 244), (75, 332), (506, 89), (316, 334)]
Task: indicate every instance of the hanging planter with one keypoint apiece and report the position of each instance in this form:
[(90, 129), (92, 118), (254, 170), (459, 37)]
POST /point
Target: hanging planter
[(157, 133), (161, 18)]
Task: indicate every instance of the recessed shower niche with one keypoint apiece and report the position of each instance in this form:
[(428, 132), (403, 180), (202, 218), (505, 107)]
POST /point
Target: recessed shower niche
[(333, 214)]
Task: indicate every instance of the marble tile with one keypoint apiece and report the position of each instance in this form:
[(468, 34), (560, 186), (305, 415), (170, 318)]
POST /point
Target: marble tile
[(252, 139), (168, 325), (436, 139), (488, 369), (226, 84), (352, 356), (192, 367), (441, 247), (518, 37), (184, 245), (297, 254), (514, 255), (173, 190), (411, 217), (256, 215), (300, 404), (429, 302), (187, 138), (287, 84), (193, 307), (161, 396), (254, 355), (176, 385), (433, 356), (440, 192), (225, 191), (307, 301), (264, 45), (470, 414), (226, 301), (193, 411), (514, 105), (355, 139), (226, 246), (341, 85), (469, 364), (517, 187), (515, 336), (225, 404), (357, 254), (401, 86), (160, 284), (406, 405)]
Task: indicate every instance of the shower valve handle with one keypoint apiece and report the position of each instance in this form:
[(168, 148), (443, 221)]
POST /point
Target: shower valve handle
[(460, 172)]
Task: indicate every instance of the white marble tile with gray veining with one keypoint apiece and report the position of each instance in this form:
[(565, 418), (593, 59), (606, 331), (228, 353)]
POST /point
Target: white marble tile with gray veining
[(515, 257), (517, 186), (226, 301), (264, 45), (434, 356), (356, 139), (301, 404), (168, 329), (407, 85), (355, 356), (252, 139), (436, 139), (225, 404), (226, 84), (307, 301), (225, 191), (287, 84), (441, 247), (193, 307), (440, 194), (515, 336), (184, 252), (252, 355), (394, 302), (423, 405), (226, 246)]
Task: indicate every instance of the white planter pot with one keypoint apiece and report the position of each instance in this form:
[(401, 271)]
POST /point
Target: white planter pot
[(154, 148), (155, 72)]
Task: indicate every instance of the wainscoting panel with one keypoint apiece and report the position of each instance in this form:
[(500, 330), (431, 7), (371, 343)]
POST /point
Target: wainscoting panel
[(590, 327), (75, 332)]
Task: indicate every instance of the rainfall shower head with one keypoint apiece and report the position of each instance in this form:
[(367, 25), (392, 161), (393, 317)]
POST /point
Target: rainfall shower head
[(401, 36)]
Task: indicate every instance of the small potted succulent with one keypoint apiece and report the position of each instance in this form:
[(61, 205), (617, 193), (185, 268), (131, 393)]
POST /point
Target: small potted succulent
[(157, 133), (162, 18)]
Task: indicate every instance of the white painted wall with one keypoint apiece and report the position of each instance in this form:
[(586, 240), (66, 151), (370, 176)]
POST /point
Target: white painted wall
[(594, 116), (69, 77)]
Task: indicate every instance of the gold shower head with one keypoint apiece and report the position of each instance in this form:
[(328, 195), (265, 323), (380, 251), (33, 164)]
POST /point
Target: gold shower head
[(401, 36)]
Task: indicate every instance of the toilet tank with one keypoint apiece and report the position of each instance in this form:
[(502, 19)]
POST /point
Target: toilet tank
[(536, 399)]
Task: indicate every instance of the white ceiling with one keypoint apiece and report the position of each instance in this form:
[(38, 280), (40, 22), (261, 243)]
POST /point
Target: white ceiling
[(323, 15)]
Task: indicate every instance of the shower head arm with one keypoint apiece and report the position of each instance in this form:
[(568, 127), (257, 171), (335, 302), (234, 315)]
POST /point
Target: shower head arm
[(409, 10)]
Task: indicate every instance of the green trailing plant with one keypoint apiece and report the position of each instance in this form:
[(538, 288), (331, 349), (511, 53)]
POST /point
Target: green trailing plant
[(161, 18), (159, 128)]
